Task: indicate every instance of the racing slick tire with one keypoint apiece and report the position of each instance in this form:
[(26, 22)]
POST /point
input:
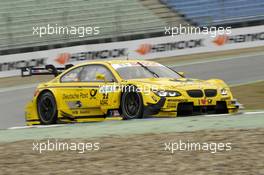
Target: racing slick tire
[(132, 106), (47, 108)]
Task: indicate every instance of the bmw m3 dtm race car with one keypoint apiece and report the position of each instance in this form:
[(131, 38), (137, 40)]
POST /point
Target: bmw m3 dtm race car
[(131, 89)]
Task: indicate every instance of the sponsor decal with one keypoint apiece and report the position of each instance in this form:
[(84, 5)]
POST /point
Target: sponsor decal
[(105, 96), (221, 40), (74, 104), (104, 101), (93, 93), (107, 88), (75, 96), (65, 58), (171, 105), (84, 111), (77, 112), (144, 49), (124, 65), (13, 65), (224, 39), (177, 100), (148, 48), (209, 101), (205, 101)]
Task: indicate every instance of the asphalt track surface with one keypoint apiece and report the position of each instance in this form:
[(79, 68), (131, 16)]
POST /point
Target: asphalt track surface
[(236, 70)]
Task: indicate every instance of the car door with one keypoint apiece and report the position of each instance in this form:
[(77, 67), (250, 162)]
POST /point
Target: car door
[(104, 94), (81, 92)]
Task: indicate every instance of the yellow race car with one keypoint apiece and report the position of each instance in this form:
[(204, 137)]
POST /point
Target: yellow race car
[(131, 89)]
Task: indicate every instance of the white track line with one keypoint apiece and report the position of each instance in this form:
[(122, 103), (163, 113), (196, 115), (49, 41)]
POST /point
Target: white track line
[(211, 115), (239, 113), (36, 126), (254, 112), (215, 115)]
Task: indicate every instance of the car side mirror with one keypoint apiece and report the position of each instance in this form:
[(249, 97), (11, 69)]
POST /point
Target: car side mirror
[(100, 77), (182, 74)]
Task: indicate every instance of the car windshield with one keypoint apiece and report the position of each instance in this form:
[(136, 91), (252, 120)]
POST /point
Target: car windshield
[(144, 70)]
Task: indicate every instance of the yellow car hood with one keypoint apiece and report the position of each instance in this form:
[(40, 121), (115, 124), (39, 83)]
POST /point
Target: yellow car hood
[(181, 83)]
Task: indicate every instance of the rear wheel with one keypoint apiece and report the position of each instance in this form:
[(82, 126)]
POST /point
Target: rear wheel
[(47, 108), (132, 104)]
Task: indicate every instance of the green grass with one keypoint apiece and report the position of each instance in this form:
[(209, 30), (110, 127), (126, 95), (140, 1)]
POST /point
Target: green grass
[(250, 95)]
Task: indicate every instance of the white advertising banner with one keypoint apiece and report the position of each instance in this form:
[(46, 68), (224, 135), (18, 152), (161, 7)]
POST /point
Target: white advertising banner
[(158, 47)]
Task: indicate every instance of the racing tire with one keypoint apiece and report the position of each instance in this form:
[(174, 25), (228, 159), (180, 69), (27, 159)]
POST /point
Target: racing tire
[(132, 106), (47, 108)]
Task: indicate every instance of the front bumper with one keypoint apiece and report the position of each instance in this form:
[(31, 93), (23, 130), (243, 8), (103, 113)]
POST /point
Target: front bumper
[(192, 106)]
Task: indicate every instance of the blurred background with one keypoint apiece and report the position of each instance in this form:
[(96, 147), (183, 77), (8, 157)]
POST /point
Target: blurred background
[(134, 29), (119, 20)]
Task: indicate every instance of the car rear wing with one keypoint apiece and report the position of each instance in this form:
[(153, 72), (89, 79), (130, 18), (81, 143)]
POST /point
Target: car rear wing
[(47, 70)]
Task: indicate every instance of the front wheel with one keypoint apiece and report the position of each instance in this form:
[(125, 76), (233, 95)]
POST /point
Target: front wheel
[(47, 108), (132, 105)]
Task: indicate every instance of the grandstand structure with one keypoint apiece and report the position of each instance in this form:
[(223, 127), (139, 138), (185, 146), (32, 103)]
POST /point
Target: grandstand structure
[(118, 20), (219, 12)]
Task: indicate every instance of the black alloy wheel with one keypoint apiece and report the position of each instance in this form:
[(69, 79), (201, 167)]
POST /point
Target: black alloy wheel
[(132, 105), (47, 108)]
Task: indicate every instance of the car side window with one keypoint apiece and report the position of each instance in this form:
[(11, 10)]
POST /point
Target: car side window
[(89, 72), (72, 76)]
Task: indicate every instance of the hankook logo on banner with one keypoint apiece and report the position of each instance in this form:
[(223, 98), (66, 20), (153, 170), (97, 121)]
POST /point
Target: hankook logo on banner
[(64, 58), (13, 65), (148, 48), (224, 39)]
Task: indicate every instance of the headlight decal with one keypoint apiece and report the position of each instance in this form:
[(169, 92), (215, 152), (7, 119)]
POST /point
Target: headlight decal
[(168, 93)]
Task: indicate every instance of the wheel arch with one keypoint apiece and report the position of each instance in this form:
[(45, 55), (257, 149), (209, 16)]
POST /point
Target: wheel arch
[(38, 98), (121, 94), (123, 91), (44, 91)]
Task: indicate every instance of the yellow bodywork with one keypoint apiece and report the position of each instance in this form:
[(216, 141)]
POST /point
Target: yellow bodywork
[(96, 105)]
